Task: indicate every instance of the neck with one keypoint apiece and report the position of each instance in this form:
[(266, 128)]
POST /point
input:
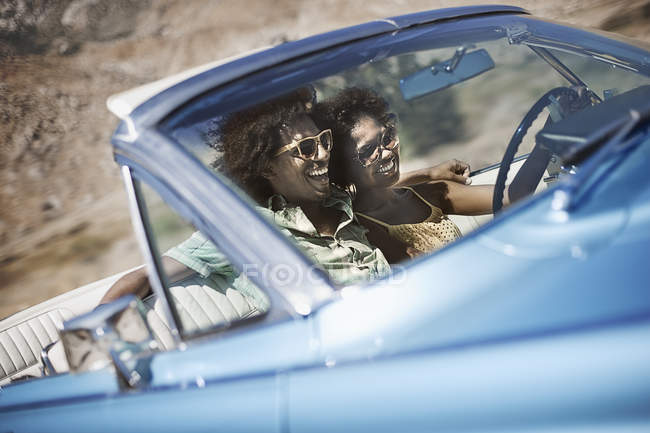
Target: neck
[(325, 220), (310, 208), (367, 199)]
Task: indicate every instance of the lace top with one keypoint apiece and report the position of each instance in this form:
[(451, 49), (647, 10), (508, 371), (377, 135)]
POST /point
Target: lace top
[(429, 235)]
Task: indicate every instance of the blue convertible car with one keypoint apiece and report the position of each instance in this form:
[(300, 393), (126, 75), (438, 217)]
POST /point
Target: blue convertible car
[(536, 318)]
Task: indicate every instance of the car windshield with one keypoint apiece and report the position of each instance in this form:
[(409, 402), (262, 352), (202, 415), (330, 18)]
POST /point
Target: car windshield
[(456, 90)]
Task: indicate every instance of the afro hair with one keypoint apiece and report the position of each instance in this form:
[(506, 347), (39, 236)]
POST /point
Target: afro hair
[(249, 138), (341, 113)]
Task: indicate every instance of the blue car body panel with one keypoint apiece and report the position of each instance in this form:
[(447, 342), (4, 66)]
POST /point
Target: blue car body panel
[(533, 322), (505, 296), (502, 386)]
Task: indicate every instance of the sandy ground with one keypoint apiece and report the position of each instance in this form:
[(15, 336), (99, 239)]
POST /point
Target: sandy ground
[(63, 215)]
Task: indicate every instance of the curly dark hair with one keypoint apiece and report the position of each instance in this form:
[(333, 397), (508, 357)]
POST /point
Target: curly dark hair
[(340, 113), (249, 138)]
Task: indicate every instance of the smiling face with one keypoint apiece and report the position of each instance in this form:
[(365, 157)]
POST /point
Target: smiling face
[(364, 136), (297, 179)]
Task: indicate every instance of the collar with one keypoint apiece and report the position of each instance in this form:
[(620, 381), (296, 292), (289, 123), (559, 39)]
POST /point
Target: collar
[(293, 218)]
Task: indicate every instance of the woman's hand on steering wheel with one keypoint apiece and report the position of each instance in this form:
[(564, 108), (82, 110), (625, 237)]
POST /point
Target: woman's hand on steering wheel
[(454, 170)]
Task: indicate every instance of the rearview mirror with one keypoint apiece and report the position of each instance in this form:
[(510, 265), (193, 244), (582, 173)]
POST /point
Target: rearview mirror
[(462, 66), (115, 333)]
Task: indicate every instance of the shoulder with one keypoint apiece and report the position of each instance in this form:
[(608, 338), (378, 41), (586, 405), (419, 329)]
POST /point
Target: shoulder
[(433, 192)]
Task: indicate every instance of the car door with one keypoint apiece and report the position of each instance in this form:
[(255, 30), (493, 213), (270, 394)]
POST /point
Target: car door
[(217, 370), (560, 351), (547, 335)]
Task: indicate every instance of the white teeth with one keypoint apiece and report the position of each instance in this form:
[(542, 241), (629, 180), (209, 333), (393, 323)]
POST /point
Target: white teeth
[(317, 172), (386, 167)]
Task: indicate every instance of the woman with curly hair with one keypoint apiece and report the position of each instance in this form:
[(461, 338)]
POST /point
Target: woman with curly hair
[(275, 152), (402, 221), (249, 140)]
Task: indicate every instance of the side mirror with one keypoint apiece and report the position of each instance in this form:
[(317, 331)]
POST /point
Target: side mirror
[(116, 333)]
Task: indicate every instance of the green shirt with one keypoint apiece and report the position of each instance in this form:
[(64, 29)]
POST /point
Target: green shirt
[(203, 257), (347, 256)]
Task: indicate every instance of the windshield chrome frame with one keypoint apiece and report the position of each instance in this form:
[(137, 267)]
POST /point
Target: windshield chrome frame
[(154, 269)]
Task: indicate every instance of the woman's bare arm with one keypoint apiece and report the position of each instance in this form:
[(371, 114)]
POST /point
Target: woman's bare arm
[(456, 198), (454, 170), (460, 199), (472, 200)]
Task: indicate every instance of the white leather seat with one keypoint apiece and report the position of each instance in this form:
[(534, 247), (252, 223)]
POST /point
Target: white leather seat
[(199, 307), (21, 345)]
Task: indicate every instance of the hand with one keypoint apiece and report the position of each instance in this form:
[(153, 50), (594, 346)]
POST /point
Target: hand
[(454, 170)]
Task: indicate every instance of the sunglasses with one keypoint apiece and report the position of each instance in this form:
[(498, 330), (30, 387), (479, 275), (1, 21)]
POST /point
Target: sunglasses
[(387, 139), (308, 147)]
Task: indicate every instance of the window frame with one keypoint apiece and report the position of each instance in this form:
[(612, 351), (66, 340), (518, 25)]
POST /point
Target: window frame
[(281, 308)]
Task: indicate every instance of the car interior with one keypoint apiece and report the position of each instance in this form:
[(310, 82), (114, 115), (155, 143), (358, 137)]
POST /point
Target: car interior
[(454, 99)]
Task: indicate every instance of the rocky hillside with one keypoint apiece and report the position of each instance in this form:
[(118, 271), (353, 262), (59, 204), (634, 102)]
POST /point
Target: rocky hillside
[(63, 218)]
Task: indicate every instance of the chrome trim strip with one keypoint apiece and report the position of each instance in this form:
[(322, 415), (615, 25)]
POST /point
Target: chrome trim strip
[(143, 241)]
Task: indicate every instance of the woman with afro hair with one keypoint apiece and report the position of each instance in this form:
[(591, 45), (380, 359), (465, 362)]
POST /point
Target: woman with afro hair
[(403, 221), (275, 152)]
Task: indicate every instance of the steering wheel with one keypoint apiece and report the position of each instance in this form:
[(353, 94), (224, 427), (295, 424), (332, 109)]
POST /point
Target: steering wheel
[(548, 98)]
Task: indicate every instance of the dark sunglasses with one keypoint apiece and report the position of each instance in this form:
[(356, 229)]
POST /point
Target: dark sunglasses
[(386, 139), (308, 147)]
